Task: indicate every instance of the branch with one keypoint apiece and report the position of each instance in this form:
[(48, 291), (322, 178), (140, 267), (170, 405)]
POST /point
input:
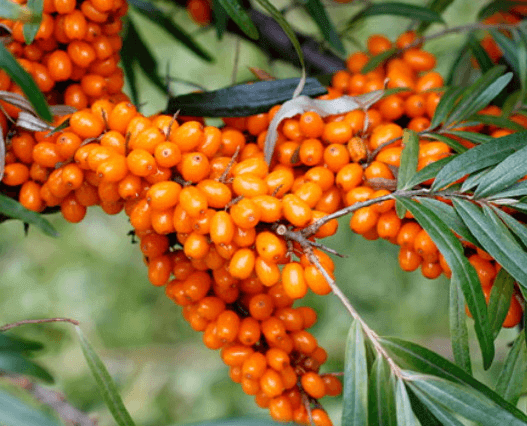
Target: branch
[(37, 321)]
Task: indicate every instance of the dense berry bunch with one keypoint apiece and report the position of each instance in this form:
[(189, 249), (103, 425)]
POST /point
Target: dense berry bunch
[(74, 56)]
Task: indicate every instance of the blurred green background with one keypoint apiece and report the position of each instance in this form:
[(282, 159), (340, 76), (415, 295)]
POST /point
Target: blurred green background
[(93, 273)]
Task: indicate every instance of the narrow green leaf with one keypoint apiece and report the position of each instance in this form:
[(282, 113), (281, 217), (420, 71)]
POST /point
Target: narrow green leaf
[(378, 60), (11, 208), (479, 158), (381, 397), (317, 11), (441, 412), (452, 143), (355, 391), (438, 6), (471, 136), (497, 120), (452, 250), (128, 60), (518, 228), (521, 42), (458, 326), (31, 28), (479, 53), (409, 157), (220, 18), (445, 105), (13, 11), (461, 59), (429, 172), (240, 16), (422, 413), (400, 210), (104, 381), (13, 362), (19, 413), (405, 414), (476, 98), (500, 300), (279, 18), (509, 384), (494, 238), (16, 344), (473, 180), (11, 66), (448, 215), (509, 171), (242, 100), (411, 356), (509, 49), (158, 17), (464, 401), (496, 6), (510, 102)]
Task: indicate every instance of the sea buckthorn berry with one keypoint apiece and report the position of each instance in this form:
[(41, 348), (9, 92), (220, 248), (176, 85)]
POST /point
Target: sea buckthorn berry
[(313, 384), (407, 234), (72, 210), (428, 81), (280, 409), (59, 65), (390, 155), (277, 359), (383, 206), (250, 387), (200, 11), (236, 354), (311, 152), (364, 219), (287, 153), (194, 166), (293, 280), (86, 124), (218, 194), (304, 342), (337, 132), (378, 43), (406, 39), (311, 124), (249, 331), (349, 177), (15, 174), (261, 306), (296, 211), (46, 154), (514, 314), (316, 281), (280, 297), (255, 166), (227, 323), (231, 140), (270, 207), (163, 195), (196, 246), (309, 316), (193, 201), (244, 237), (378, 170), (271, 383), (419, 60), (254, 366), (431, 270), (256, 124), (245, 213), (279, 182), (72, 176), (210, 338), (356, 61), (154, 245), (267, 272), (409, 260), (335, 157), (270, 246), (388, 225), (210, 307), (484, 268), (29, 196), (159, 269), (332, 384), (425, 247), (340, 81), (249, 185), (242, 263), (310, 193), (385, 133), (321, 418), (22, 145)]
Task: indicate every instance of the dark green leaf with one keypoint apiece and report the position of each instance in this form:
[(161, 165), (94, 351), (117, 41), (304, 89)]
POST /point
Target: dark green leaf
[(473, 180), (479, 158), (128, 60), (159, 18), (240, 16), (479, 95), (471, 136), (510, 103), (497, 120), (452, 143), (13, 362), (317, 11), (458, 326), (31, 28), (411, 356), (405, 414), (452, 250), (220, 18), (518, 228), (464, 401), (479, 53), (242, 100), (445, 105), (381, 397), (409, 157), (104, 381), (15, 412), (509, 49), (521, 42), (11, 208), (442, 413), (495, 238), (461, 59), (438, 6), (509, 171), (496, 6), (500, 300), (355, 390), (16, 344), (422, 413), (510, 381), (11, 66), (429, 172), (378, 60)]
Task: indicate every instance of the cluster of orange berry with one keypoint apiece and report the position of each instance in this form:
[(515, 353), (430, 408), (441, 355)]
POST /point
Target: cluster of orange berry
[(74, 57)]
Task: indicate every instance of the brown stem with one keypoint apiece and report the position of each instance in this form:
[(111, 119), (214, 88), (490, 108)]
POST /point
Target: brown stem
[(37, 321)]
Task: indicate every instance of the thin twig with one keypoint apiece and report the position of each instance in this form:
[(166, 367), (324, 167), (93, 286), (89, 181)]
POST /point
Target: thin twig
[(37, 321)]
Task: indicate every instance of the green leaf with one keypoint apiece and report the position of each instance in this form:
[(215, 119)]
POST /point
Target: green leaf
[(31, 28), (479, 53), (279, 18), (381, 397), (461, 59), (411, 356), (497, 120), (13, 362), (471, 136), (464, 401), (128, 60), (15, 210), (473, 180), (240, 16), (11, 66), (518, 228), (479, 95), (242, 100), (452, 143), (317, 11), (496, 6), (422, 413), (448, 215), (158, 17), (494, 238), (521, 42), (479, 158), (509, 384), (104, 381), (438, 6), (445, 105), (429, 172), (409, 158), (16, 412), (441, 412), (378, 60), (221, 18), (355, 390), (509, 49), (458, 326), (509, 171), (500, 300), (16, 344), (13, 11), (452, 250), (405, 414)]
